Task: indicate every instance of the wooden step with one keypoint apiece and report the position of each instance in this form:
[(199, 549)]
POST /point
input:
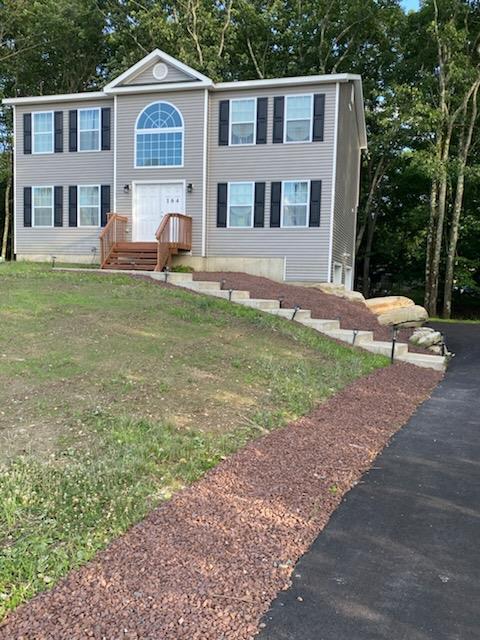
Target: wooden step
[(136, 246)]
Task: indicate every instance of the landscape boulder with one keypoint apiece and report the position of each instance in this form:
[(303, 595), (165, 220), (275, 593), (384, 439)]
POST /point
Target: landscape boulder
[(339, 291), (387, 303), (412, 316), (426, 337)]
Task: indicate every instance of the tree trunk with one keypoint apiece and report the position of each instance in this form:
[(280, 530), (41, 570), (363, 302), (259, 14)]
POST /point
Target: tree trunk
[(6, 224), (432, 226), (464, 149)]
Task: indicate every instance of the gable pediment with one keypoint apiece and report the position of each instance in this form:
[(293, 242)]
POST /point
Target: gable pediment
[(157, 68)]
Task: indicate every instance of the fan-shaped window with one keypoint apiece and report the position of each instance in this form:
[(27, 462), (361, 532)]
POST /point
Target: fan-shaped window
[(159, 136)]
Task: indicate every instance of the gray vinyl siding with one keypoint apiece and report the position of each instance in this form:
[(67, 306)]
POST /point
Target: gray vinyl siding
[(305, 251), (191, 105), (58, 169), (348, 158), (146, 76)]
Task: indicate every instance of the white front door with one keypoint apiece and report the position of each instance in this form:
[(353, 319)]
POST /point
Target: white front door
[(152, 202)]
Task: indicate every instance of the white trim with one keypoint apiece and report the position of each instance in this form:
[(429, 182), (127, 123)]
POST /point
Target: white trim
[(155, 131), (114, 153), (204, 174), (79, 131), (136, 182), (15, 196), (231, 123), (286, 121), (161, 87), (89, 226), (43, 226), (250, 226), (282, 204), (337, 264), (334, 179), (347, 270), (288, 81), (43, 153), (144, 62), (357, 200), (59, 97)]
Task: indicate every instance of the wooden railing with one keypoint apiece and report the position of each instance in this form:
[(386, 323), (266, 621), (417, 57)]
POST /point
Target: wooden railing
[(115, 231), (173, 234)]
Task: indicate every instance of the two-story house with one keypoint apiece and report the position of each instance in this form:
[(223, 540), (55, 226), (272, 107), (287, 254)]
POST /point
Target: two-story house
[(266, 173)]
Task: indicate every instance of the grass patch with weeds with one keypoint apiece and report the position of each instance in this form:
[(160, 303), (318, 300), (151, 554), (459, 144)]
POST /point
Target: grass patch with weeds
[(116, 392)]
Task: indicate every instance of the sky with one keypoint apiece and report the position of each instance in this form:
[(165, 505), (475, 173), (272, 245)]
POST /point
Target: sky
[(410, 4)]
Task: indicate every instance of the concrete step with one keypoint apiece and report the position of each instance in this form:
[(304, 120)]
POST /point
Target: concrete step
[(263, 305), (173, 277), (236, 295), (321, 325), (424, 360), (385, 348), (347, 335), (304, 314), (202, 286)]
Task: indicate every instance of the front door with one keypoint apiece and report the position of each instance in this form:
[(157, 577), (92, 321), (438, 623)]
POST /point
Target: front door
[(152, 202)]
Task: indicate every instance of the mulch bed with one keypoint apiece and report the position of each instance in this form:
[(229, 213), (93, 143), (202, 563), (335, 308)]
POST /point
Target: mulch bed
[(207, 564), (352, 315)]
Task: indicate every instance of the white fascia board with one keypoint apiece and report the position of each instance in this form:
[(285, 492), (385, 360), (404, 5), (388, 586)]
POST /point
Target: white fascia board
[(156, 54), (160, 88), (62, 97)]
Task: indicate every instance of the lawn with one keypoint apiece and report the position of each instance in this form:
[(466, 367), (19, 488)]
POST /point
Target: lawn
[(116, 392)]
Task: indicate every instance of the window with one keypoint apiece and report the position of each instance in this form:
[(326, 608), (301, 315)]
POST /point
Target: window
[(88, 206), (159, 137), (295, 197), (298, 118), (240, 204), (42, 132), (89, 129), (42, 206), (242, 121)]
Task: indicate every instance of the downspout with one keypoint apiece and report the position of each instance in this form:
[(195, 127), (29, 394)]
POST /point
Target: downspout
[(334, 179)]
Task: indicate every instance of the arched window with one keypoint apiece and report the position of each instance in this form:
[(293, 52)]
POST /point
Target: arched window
[(159, 136)]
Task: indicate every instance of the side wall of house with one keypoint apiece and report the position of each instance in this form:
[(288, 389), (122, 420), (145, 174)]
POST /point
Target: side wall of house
[(191, 105), (304, 250), (58, 169), (347, 181)]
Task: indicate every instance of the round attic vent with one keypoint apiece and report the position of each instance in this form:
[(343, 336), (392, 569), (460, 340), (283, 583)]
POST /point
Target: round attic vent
[(160, 71)]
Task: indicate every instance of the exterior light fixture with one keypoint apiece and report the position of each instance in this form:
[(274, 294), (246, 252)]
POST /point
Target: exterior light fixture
[(126, 188), (189, 187)]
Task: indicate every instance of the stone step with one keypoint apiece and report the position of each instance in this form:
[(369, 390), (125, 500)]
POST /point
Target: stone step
[(321, 325), (384, 348), (424, 360), (173, 277), (202, 286), (236, 295), (346, 335), (304, 314), (263, 305)]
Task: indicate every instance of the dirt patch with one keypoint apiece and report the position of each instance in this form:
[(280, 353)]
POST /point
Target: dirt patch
[(207, 564), (352, 315)]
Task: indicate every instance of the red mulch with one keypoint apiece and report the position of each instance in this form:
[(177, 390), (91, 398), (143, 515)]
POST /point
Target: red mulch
[(207, 564), (352, 315)]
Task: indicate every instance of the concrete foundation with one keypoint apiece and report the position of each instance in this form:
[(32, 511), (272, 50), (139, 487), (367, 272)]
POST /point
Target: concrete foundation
[(272, 268)]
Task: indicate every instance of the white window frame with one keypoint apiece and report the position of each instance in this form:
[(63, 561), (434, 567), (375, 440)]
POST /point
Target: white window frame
[(43, 226), (286, 121), (169, 130), (90, 226), (42, 153), (231, 123), (79, 130), (282, 205), (253, 204)]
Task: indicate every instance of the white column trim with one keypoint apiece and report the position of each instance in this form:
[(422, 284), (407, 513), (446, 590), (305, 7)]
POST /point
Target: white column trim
[(204, 173), (115, 154), (334, 179), (14, 213)]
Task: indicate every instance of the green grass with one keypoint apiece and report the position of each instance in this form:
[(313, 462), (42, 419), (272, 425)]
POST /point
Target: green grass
[(115, 392)]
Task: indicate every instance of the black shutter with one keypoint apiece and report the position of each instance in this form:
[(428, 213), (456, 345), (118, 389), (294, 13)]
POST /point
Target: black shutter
[(315, 202), (106, 128), (58, 206), (27, 133), (318, 116), (262, 108), (72, 131), (223, 122), (222, 189), (259, 213), (275, 204), (27, 206), (105, 204), (72, 206), (58, 120), (278, 113)]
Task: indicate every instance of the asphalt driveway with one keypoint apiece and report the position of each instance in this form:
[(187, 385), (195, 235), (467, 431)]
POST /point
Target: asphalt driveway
[(400, 558)]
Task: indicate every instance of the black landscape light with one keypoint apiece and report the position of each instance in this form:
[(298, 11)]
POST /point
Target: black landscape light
[(296, 308), (230, 291), (53, 261), (222, 284), (355, 334), (280, 300), (394, 342), (166, 271)]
